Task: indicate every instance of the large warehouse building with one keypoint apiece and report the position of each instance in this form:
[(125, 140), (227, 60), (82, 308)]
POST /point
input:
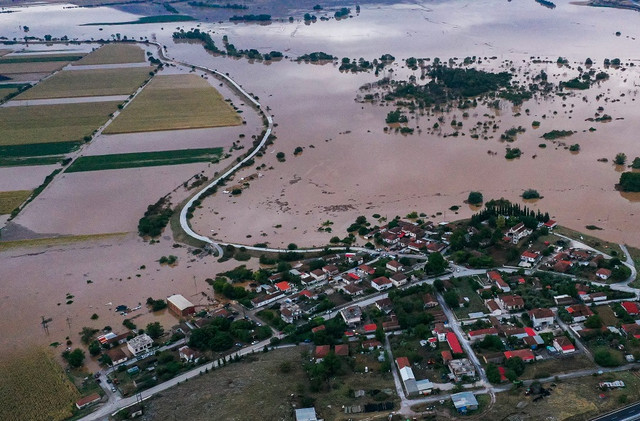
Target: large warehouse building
[(180, 306)]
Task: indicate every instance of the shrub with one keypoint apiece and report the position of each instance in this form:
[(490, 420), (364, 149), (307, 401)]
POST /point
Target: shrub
[(475, 198), (531, 194)]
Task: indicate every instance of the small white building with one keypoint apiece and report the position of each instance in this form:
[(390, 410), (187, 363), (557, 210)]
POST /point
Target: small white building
[(381, 283), (140, 344), (541, 317)]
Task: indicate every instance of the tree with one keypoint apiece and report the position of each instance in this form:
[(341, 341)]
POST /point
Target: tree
[(493, 374), (516, 364), (94, 348), (475, 198), (154, 330), (292, 246), (436, 264), (593, 322), (620, 159), (605, 358), (87, 334), (438, 284), (452, 299), (280, 156), (75, 358)]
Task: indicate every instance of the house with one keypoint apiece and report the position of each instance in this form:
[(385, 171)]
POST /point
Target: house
[(510, 302), (429, 301), (478, 335), (180, 306), (331, 270), (321, 352), (353, 290), (306, 414), (631, 329), (630, 307), (518, 332), (596, 261), (381, 283), (351, 315), (370, 328), (579, 312), (525, 354), (464, 402), (410, 229), (440, 332), (563, 300), (435, 247), (496, 278), (446, 356), (290, 313), (342, 350), (563, 344), (541, 317), (562, 266), (394, 266), (318, 275), (283, 286), (493, 307), (518, 232), (352, 277), (550, 224), (264, 300), (399, 279), (87, 400), (117, 356), (454, 344), (188, 354), (140, 344), (493, 357), (603, 274), (460, 368), (425, 387), (367, 269), (385, 305), (113, 339), (371, 344), (529, 256), (406, 374)]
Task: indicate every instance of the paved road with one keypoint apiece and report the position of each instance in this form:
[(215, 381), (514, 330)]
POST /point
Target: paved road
[(628, 413)]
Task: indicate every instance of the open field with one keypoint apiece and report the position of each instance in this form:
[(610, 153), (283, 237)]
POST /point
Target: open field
[(112, 54), (35, 67), (34, 387), (38, 149), (98, 82), (40, 58), (24, 162), (590, 240), (52, 123), (56, 241), (547, 368), (146, 19), (575, 399), (173, 102), (143, 159), (4, 91), (9, 200)]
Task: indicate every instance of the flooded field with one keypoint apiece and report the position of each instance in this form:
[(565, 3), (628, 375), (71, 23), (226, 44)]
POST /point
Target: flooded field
[(350, 165)]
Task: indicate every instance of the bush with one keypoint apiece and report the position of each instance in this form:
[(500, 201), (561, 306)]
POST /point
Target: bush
[(630, 181), (280, 156), (620, 159), (605, 358), (531, 194)]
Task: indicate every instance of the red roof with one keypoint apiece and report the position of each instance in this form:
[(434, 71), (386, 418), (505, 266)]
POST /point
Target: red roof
[(524, 354), (403, 362), (521, 281), (349, 333), (550, 223), (530, 255), (283, 286), (318, 328), (564, 343), (454, 344), (530, 331), (502, 371), (353, 276), (370, 327), (494, 276), (383, 280), (630, 307), (367, 269), (342, 350), (306, 293), (446, 356), (480, 332), (88, 399), (322, 351)]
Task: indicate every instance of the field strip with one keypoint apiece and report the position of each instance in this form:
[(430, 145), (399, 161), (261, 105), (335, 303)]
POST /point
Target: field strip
[(72, 100), (57, 241), (114, 53), (75, 66), (9, 200)]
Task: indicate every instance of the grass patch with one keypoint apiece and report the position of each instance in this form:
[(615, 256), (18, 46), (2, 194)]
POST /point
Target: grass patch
[(52, 123), (35, 67), (146, 19), (56, 241), (465, 289), (598, 244), (34, 387), (143, 159), (38, 149), (5, 92), (40, 58), (9, 200), (114, 53), (27, 162), (82, 83), (172, 102), (554, 366)]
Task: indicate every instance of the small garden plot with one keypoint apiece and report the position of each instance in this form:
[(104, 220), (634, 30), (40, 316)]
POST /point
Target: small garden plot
[(113, 54), (143, 159), (84, 83), (173, 102), (52, 123)]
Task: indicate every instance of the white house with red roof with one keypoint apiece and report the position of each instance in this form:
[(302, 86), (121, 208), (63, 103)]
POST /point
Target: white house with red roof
[(480, 334), (382, 283), (529, 256), (518, 232), (541, 316), (563, 344), (631, 307), (603, 273), (283, 286), (394, 265), (496, 278), (525, 355), (551, 224)]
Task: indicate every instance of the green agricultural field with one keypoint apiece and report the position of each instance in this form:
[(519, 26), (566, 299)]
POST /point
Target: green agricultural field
[(82, 83), (52, 123), (174, 102), (146, 19), (143, 159), (38, 149), (25, 162), (41, 58), (114, 54), (9, 200)]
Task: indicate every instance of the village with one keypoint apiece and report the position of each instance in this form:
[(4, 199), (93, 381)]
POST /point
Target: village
[(442, 328)]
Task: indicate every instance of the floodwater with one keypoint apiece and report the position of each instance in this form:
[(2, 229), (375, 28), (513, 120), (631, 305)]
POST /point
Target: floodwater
[(350, 165)]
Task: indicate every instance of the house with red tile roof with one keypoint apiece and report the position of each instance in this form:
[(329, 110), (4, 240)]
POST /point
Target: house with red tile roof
[(283, 286), (371, 344), (563, 344), (342, 350), (631, 329), (382, 283), (510, 302), (631, 307), (562, 266), (331, 270), (603, 274), (478, 335), (370, 328), (551, 224), (579, 312), (394, 266), (321, 352), (87, 400), (494, 308), (496, 278), (525, 354), (454, 343), (367, 269), (446, 356), (402, 362), (429, 301), (529, 256), (352, 289)]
